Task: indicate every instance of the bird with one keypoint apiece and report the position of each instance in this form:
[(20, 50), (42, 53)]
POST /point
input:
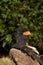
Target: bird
[(20, 41)]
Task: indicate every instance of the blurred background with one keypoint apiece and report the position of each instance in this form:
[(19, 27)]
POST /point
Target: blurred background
[(21, 13)]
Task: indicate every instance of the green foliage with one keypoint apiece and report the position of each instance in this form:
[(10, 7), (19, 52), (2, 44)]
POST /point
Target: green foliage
[(16, 13)]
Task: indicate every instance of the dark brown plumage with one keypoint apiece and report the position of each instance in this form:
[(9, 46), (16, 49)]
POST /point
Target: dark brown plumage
[(19, 40)]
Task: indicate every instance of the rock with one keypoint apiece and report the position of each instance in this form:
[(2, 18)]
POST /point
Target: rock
[(19, 58)]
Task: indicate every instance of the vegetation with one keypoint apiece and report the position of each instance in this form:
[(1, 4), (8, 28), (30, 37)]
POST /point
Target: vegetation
[(16, 13), (5, 61)]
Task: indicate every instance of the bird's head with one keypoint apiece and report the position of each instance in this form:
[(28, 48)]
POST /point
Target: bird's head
[(23, 30), (20, 37)]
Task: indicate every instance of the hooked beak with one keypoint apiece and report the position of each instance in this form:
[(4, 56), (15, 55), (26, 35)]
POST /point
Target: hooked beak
[(26, 33)]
